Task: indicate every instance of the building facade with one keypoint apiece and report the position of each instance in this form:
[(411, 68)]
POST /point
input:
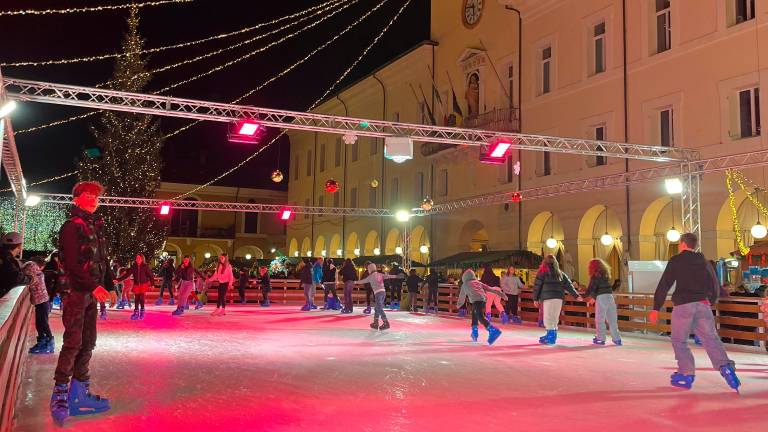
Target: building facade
[(206, 234), (661, 72)]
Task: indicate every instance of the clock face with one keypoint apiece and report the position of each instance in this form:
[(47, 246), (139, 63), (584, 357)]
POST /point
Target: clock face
[(471, 12)]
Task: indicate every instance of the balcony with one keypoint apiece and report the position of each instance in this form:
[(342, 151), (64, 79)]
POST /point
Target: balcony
[(498, 119)]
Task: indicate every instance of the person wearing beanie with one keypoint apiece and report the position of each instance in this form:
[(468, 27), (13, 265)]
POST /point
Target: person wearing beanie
[(11, 275), (475, 291), (376, 279)]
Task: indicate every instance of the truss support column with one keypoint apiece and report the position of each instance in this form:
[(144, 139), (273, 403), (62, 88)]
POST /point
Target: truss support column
[(406, 246), (691, 199)]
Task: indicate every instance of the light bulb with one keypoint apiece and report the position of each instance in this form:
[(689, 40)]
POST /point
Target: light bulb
[(423, 249), (399, 250), (248, 256), (357, 251), (309, 254), (376, 251), (673, 186), (324, 253), (207, 255), (551, 243), (673, 235), (339, 252), (759, 230), (606, 239), (296, 254), (403, 215)]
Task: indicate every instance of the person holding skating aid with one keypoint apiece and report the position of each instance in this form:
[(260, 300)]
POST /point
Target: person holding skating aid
[(376, 279), (696, 290), (549, 292), (142, 280), (476, 291), (600, 293)]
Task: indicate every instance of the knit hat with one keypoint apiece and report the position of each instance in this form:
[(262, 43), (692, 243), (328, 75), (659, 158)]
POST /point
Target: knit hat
[(11, 238)]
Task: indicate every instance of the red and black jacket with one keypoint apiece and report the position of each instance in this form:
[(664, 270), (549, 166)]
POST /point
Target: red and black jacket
[(83, 252)]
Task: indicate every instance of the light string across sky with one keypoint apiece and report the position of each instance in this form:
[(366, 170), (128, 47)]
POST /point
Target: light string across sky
[(90, 9)]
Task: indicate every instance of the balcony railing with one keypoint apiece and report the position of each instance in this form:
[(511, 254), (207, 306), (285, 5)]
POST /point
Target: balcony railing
[(498, 119)]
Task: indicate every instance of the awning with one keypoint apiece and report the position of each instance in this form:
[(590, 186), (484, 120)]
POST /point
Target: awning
[(384, 260), (517, 258)]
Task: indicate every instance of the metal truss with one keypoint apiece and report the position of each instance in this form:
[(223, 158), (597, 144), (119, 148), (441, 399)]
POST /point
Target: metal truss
[(9, 154), (222, 206), (193, 109), (690, 173)]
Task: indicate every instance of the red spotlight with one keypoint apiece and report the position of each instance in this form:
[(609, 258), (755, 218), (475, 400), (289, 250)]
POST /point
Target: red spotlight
[(245, 131), (496, 152), (165, 208), (285, 214), (248, 128)]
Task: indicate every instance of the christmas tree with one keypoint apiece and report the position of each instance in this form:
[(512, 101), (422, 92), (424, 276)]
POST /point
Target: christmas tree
[(129, 163)]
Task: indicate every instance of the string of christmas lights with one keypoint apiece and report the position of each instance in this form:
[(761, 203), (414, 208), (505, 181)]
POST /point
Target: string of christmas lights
[(179, 45), (320, 99), (743, 249), (289, 68), (210, 71), (43, 221), (90, 9), (48, 180)]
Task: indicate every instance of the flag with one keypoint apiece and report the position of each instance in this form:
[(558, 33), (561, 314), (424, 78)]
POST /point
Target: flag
[(456, 113)]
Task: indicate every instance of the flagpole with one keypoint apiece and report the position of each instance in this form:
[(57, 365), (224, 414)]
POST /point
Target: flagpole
[(435, 91), (498, 77)]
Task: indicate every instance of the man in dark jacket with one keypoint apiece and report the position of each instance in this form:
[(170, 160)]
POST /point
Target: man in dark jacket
[(308, 284), (696, 290), (348, 276), (396, 285), (11, 275), (83, 253), (166, 272)]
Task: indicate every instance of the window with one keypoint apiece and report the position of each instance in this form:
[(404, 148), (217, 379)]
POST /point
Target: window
[(663, 25), (353, 198), (666, 128), (306, 204), (320, 203), (336, 200), (372, 198), (599, 47), (419, 183), (547, 164), (251, 221), (546, 72), (184, 222), (741, 11), (511, 168), (511, 84), (443, 185), (374, 146), (356, 150), (337, 153), (749, 112), (393, 191), (296, 168), (600, 136), (322, 157), (309, 163)]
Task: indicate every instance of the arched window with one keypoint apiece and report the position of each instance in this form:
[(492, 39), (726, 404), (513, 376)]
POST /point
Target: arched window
[(184, 222)]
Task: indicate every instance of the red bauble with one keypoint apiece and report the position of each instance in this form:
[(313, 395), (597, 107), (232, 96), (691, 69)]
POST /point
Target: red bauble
[(332, 186), (516, 197)]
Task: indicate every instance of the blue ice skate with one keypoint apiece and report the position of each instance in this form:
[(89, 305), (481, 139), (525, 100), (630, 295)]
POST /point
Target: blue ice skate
[(488, 316), (696, 340), (39, 347), (618, 342), (312, 306), (198, 305), (516, 319), (504, 318), (265, 303), (550, 338), (59, 405), (178, 312), (171, 302), (141, 314), (306, 307), (729, 373), (135, 315), (493, 334), (367, 310), (121, 304), (159, 302), (462, 313), (186, 307), (50, 345), (82, 402), (103, 314), (474, 334), (597, 341), (683, 381)]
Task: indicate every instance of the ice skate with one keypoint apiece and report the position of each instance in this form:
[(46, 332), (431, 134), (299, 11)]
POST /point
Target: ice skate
[(265, 303), (178, 312), (159, 302), (103, 314), (57, 301), (135, 315), (367, 310), (516, 319), (493, 334), (82, 402), (59, 405), (312, 306), (696, 340), (375, 325), (306, 307), (38, 348), (50, 345), (223, 312), (504, 318), (550, 338), (462, 313), (683, 381), (617, 342), (198, 305), (186, 307), (171, 302), (474, 334), (597, 341), (384, 325), (729, 373), (141, 314), (121, 304), (488, 316)]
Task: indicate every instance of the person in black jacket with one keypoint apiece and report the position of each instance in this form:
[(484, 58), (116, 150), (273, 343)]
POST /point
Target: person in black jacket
[(308, 284), (433, 281), (348, 276), (549, 292), (11, 275), (83, 253), (697, 288), (600, 291), (265, 284), (242, 283), (142, 281), (329, 286), (167, 271), (396, 286), (413, 282)]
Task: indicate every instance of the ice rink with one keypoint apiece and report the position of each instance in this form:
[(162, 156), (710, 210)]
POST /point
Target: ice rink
[(279, 369)]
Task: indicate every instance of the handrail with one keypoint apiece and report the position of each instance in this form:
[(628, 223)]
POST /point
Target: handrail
[(15, 317)]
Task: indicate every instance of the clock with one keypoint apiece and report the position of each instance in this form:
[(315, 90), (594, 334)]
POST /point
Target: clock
[(471, 12)]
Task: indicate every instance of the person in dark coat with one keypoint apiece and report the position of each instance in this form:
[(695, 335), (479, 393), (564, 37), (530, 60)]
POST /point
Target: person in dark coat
[(396, 285), (142, 281), (167, 271), (11, 275), (549, 292), (348, 276), (265, 284)]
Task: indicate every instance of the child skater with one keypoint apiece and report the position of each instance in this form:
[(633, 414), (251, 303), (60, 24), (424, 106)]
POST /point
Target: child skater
[(413, 282), (549, 292), (185, 274), (266, 285), (511, 285), (142, 279), (697, 289), (222, 279), (476, 292), (39, 296), (242, 283), (600, 291), (376, 279), (201, 288)]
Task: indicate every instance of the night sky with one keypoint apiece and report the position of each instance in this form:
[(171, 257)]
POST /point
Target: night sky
[(202, 152)]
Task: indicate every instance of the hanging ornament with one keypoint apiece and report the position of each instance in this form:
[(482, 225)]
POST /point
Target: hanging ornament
[(332, 186), (516, 197), (277, 176), (374, 183), (349, 138), (516, 168), (427, 204)]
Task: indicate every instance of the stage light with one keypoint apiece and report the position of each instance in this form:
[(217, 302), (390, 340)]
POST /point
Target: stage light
[(516, 197), (399, 250), (248, 128), (495, 152), (248, 256), (245, 131), (165, 208), (285, 214), (673, 235), (552, 243), (673, 186), (357, 252), (403, 215), (606, 239), (7, 108), (423, 249), (376, 251), (32, 200)]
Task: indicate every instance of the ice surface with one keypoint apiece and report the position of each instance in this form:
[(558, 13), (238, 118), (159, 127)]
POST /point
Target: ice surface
[(278, 369)]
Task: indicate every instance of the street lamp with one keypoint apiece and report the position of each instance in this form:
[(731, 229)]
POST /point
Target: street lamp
[(32, 200), (273, 250), (324, 253), (296, 254), (339, 252), (758, 230), (309, 254), (376, 251), (606, 239), (551, 241), (399, 250), (207, 255), (248, 257), (356, 251), (673, 235)]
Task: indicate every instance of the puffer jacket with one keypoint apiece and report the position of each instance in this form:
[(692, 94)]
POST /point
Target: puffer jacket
[(548, 287), (598, 286), (83, 252), (474, 290), (348, 273), (142, 274)]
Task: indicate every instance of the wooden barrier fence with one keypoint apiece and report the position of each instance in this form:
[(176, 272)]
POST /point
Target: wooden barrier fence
[(15, 317)]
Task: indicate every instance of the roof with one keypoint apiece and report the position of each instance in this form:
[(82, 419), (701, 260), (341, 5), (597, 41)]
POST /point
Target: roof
[(520, 258), (384, 260)]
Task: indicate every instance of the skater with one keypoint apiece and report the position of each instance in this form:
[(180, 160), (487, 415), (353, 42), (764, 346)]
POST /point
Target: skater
[(167, 271), (11, 275), (265, 284), (184, 275), (489, 278), (433, 282), (242, 283), (368, 289), (201, 289), (83, 253), (476, 292), (348, 276), (222, 278), (413, 282), (376, 279), (512, 286), (330, 279), (307, 283), (127, 290), (696, 291), (396, 286), (55, 281), (492, 299), (549, 292), (142, 280), (600, 291), (38, 294)]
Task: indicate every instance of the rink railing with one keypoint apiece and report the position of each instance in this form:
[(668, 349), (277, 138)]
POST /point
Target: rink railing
[(15, 317), (739, 319)]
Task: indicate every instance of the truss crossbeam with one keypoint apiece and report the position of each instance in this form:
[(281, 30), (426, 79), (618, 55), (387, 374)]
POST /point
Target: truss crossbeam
[(193, 109)]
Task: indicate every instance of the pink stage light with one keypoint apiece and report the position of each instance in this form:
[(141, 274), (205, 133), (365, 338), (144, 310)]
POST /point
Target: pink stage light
[(165, 209), (496, 152), (500, 150), (248, 128), (285, 214)]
